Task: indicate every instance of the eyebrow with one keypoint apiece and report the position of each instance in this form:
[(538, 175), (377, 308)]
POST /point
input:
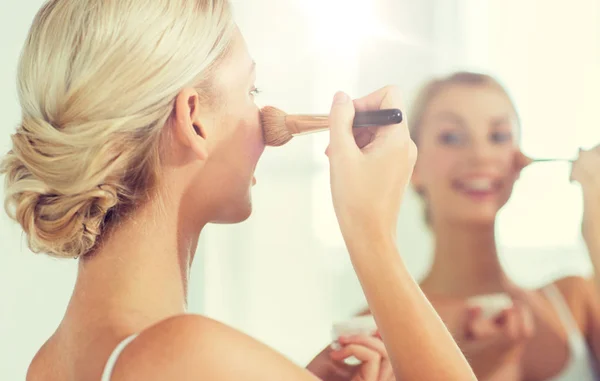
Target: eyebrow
[(252, 67), (449, 116), (502, 120)]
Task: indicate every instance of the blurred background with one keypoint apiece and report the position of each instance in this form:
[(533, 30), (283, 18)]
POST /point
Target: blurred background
[(284, 276)]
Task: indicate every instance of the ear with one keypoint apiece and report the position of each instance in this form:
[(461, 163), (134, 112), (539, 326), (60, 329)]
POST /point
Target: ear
[(188, 126)]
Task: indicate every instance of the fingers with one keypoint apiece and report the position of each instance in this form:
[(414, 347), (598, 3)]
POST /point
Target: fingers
[(386, 372), (340, 124), (510, 324), (478, 327), (385, 98), (374, 350), (585, 168), (528, 323), (342, 116), (371, 359), (364, 136), (517, 322), (513, 324), (370, 342)]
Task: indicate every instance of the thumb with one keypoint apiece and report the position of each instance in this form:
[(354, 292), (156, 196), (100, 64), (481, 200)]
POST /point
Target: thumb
[(341, 118)]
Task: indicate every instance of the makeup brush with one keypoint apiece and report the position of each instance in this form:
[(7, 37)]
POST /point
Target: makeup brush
[(522, 160), (550, 159), (279, 127)]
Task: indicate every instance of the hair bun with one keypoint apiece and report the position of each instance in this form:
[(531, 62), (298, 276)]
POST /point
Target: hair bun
[(65, 226)]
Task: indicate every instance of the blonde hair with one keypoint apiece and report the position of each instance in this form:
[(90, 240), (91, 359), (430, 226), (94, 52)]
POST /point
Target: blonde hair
[(433, 88), (97, 81)]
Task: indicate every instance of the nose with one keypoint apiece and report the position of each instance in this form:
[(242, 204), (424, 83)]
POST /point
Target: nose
[(481, 152)]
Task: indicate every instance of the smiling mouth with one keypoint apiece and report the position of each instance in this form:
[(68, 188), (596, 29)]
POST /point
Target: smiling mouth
[(478, 186)]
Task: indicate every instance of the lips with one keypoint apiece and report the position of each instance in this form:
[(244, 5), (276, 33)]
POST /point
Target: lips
[(478, 186)]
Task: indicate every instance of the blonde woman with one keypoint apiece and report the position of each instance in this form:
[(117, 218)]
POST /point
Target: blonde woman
[(139, 128), (467, 130)]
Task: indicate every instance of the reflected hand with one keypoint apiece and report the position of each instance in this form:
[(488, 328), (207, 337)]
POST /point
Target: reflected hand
[(586, 171), (495, 346)]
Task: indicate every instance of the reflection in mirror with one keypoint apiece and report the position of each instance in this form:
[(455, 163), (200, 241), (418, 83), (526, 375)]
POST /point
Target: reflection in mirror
[(284, 276)]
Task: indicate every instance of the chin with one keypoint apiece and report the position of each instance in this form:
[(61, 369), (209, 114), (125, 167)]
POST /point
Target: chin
[(235, 213), (478, 217)]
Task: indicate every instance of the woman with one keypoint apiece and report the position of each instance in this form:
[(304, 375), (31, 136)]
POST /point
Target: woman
[(467, 131), (139, 128)]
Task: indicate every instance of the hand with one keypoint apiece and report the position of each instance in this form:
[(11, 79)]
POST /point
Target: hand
[(375, 364), (495, 346), (329, 365), (327, 369), (586, 171), (368, 180)]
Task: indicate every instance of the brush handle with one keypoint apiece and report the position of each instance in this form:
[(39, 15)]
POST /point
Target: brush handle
[(308, 124), (377, 118), (546, 160)]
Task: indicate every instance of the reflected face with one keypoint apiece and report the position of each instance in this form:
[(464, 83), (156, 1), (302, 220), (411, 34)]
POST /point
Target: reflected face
[(467, 152)]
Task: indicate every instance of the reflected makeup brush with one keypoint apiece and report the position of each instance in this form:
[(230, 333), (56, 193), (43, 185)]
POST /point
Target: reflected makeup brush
[(522, 160), (279, 127), (550, 159)]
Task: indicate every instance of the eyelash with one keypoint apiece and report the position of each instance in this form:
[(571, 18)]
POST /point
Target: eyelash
[(255, 91)]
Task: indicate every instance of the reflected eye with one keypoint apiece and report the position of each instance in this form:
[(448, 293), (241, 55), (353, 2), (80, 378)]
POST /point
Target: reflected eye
[(501, 137), (255, 91), (451, 138)]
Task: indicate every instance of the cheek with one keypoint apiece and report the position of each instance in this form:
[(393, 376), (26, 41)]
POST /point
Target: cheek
[(246, 144), (509, 157), (253, 134), (436, 165)]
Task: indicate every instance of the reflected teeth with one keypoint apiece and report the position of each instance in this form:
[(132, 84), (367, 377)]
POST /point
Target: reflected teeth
[(478, 184)]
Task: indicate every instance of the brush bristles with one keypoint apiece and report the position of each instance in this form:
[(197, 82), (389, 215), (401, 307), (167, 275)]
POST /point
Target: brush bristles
[(275, 131)]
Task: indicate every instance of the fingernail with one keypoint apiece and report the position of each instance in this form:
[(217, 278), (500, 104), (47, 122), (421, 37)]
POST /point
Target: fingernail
[(340, 97)]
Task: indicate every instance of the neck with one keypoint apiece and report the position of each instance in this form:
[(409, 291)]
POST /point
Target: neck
[(139, 273), (466, 261)]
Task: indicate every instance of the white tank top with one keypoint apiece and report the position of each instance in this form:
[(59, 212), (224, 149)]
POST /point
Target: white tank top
[(114, 356), (581, 365)]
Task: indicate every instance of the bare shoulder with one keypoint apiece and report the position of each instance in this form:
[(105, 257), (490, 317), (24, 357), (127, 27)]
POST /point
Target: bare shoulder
[(574, 286), (578, 293), (39, 366), (192, 347)]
